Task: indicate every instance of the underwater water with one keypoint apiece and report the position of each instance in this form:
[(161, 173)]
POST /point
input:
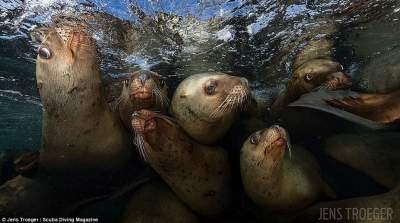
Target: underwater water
[(255, 39)]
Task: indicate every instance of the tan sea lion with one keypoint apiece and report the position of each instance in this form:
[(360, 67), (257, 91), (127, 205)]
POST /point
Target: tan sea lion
[(381, 108), (156, 202), (81, 137), (376, 154), (143, 90), (277, 180), (206, 104), (198, 174), (309, 76), (382, 208)]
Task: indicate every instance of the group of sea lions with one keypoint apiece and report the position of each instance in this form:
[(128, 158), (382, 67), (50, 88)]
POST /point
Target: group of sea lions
[(96, 137)]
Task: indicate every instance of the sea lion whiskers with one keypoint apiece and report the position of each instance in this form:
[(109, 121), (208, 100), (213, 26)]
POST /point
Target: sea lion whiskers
[(234, 101), (160, 96), (138, 141)]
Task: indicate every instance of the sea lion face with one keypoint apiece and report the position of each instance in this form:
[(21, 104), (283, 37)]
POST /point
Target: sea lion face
[(212, 96), (315, 73), (268, 146), (146, 86), (62, 47), (66, 60)]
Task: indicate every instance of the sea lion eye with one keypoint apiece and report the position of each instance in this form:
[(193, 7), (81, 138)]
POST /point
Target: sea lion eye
[(44, 53), (254, 139), (308, 77), (210, 88)]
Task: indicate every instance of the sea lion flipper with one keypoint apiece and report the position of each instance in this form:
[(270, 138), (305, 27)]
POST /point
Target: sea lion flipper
[(365, 106), (318, 100)]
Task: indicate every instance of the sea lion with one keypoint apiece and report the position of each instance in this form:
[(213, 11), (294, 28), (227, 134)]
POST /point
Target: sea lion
[(143, 90), (81, 137), (206, 104), (376, 154), (382, 208), (278, 180), (198, 174), (155, 202), (381, 108), (307, 77)]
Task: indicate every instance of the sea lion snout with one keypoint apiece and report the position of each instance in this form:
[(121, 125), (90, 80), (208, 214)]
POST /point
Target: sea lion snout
[(275, 138), (143, 121), (338, 80)]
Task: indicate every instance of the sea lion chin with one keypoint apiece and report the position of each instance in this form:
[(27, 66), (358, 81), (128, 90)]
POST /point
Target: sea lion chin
[(206, 104), (198, 174), (276, 181)]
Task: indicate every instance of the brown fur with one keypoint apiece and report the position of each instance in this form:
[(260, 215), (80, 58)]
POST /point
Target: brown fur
[(198, 174)]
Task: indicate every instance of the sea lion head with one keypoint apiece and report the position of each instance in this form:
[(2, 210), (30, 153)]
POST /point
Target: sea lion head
[(155, 133), (147, 86), (315, 73), (267, 146), (309, 76), (211, 96), (66, 62)]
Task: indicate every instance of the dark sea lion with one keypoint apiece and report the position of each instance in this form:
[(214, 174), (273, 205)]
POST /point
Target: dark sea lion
[(376, 154), (309, 76), (156, 202), (206, 104), (278, 180), (81, 137), (143, 90), (382, 208), (199, 175)]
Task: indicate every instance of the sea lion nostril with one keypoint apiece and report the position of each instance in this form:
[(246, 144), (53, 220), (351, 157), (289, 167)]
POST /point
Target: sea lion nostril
[(135, 114)]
